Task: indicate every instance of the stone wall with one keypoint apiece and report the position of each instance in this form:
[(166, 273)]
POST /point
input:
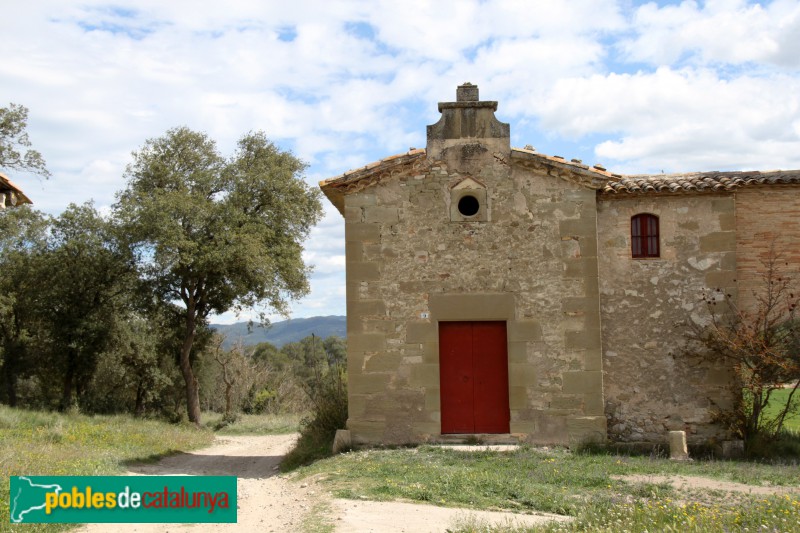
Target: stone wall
[(596, 339), (532, 263), (651, 386)]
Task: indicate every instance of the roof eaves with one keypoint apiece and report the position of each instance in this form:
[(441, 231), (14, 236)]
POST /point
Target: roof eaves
[(6, 184), (594, 176), (387, 162), (335, 187), (699, 182)]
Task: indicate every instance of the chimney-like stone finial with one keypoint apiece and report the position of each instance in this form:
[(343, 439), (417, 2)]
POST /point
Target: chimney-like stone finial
[(467, 92), (467, 127)]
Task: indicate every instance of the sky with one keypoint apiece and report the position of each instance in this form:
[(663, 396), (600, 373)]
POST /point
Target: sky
[(639, 87)]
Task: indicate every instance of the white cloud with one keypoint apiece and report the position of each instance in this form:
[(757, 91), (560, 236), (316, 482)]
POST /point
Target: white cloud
[(727, 31), (681, 120), (686, 86)]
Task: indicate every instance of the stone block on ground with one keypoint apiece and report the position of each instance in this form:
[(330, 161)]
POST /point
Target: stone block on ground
[(677, 446), (342, 441)]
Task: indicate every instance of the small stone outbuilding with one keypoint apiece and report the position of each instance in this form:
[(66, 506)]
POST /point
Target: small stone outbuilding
[(499, 291)]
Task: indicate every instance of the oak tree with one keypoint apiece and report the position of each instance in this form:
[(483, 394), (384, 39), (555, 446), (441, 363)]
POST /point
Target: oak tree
[(213, 234), (23, 238), (15, 146), (85, 277), (63, 282)]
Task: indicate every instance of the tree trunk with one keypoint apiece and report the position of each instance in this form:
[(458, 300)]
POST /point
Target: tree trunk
[(192, 389), (755, 416), (10, 380), (9, 367), (66, 395), (228, 389), (229, 381), (14, 361), (138, 409)]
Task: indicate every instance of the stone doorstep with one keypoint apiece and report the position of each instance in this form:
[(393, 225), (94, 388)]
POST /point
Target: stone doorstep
[(470, 448), (476, 440)]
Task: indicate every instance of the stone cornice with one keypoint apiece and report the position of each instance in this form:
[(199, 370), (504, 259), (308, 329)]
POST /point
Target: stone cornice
[(590, 177), (338, 187)]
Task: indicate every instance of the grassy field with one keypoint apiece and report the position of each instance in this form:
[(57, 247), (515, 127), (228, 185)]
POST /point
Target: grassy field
[(779, 398), (36, 443), (585, 486), (255, 424), (580, 485)]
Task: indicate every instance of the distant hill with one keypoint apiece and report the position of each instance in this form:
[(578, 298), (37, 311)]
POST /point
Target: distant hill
[(284, 332)]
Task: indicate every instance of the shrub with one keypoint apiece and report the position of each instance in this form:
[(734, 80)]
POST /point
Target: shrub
[(328, 395), (263, 400), (761, 344)]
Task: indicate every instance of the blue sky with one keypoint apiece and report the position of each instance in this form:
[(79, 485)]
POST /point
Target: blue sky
[(639, 87)]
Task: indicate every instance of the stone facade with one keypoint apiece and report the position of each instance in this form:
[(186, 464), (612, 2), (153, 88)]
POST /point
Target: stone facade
[(650, 386), (470, 229)]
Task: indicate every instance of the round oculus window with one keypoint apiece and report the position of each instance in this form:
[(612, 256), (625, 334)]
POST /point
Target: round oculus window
[(468, 206)]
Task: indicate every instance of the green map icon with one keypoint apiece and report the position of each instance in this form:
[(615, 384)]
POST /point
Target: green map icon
[(122, 499), (27, 499)]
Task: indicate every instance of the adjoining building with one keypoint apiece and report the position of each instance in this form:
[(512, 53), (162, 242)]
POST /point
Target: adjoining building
[(499, 291), (10, 194)]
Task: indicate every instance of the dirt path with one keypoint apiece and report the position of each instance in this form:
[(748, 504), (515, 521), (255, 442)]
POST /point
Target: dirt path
[(270, 502), (399, 517), (266, 500), (685, 483)]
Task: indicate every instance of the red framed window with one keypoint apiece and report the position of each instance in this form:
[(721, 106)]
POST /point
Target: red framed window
[(644, 236)]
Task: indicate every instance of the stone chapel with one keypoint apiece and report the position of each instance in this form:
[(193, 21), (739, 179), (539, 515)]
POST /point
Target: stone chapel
[(516, 296)]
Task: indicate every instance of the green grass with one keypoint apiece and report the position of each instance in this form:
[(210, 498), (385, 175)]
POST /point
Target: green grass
[(36, 443), (254, 424), (557, 481), (777, 401)]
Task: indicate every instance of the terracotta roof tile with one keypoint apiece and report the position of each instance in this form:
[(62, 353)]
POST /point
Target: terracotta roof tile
[(335, 188), (8, 185), (355, 173), (574, 164), (698, 182), (606, 182)]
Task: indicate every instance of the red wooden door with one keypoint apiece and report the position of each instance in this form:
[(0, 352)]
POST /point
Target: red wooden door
[(473, 376)]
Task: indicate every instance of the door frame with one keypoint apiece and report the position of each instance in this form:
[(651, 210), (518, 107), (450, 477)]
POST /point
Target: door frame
[(473, 377)]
